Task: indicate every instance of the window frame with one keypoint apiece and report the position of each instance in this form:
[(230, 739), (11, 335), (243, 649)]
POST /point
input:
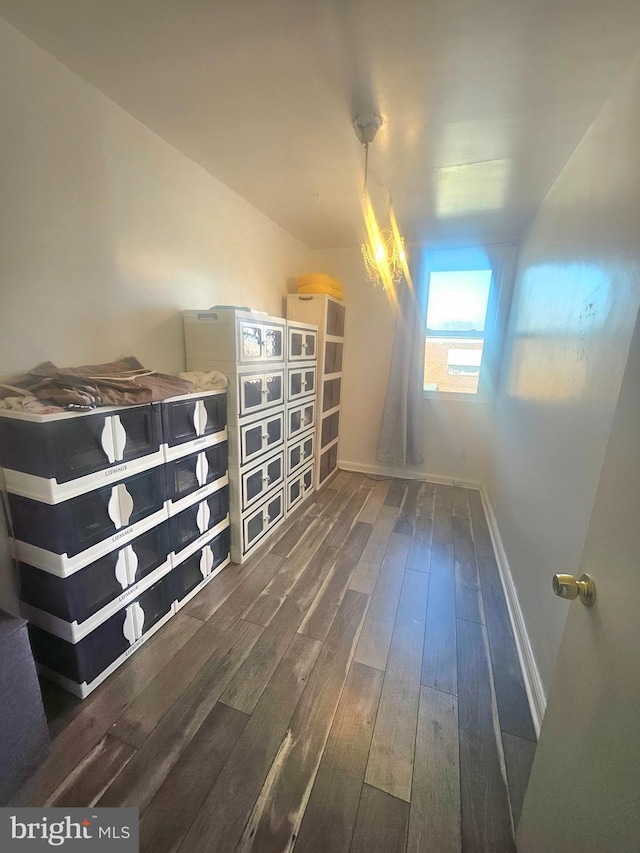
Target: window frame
[(501, 260)]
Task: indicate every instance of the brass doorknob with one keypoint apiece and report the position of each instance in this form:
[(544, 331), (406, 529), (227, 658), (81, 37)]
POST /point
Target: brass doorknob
[(566, 586)]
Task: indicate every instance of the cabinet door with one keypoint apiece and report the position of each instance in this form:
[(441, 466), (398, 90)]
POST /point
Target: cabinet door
[(294, 493), (328, 462), (185, 420), (335, 319), (310, 344), (136, 432), (189, 574), (332, 357), (259, 480), (273, 342), (251, 341), (258, 521), (189, 473), (255, 438), (252, 391), (301, 418), (307, 481), (296, 347), (299, 453), (86, 445), (302, 382), (274, 390)]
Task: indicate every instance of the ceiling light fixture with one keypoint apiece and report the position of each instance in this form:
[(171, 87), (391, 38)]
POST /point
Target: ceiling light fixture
[(383, 252)]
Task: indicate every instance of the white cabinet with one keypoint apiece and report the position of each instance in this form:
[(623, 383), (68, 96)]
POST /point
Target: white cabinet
[(272, 372), (328, 314), (303, 343)]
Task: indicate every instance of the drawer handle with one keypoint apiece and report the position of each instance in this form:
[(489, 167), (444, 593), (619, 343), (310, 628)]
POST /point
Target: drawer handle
[(119, 437), (206, 561), (120, 571), (265, 436), (203, 516), (202, 469), (106, 440), (266, 479), (114, 508), (126, 504), (132, 563)]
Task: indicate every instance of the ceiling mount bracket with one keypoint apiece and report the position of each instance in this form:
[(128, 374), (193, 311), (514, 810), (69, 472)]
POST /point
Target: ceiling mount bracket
[(366, 126)]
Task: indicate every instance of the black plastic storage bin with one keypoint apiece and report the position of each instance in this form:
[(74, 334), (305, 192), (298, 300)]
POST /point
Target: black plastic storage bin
[(67, 446), (85, 660), (74, 525), (181, 420), (188, 574), (187, 526), (188, 474), (82, 594)]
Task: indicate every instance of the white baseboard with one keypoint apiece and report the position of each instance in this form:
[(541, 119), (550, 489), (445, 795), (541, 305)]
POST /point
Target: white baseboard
[(411, 472), (532, 681)]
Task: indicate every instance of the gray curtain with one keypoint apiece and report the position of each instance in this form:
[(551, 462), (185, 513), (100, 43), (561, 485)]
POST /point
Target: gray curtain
[(401, 439)]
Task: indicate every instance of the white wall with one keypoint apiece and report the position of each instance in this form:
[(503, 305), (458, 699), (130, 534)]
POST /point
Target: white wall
[(457, 433), (574, 309), (107, 232)]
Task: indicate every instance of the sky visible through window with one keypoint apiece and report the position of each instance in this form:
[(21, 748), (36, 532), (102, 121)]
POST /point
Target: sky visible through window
[(458, 300)]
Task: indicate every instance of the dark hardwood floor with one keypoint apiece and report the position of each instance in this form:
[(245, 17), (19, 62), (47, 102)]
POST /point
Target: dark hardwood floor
[(354, 686)]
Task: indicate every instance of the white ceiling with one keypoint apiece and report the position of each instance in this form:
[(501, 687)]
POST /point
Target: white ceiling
[(483, 100)]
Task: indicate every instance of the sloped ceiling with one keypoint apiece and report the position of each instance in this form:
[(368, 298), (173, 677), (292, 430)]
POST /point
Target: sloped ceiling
[(483, 100)]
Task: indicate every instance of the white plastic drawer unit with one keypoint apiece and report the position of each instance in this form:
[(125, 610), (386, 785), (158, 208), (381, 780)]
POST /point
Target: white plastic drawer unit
[(300, 453), (189, 474), (54, 457), (257, 522), (260, 341), (192, 523), (260, 390), (192, 418), (67, 536), (189, 575), (102, 586), (302, 382), (303, 344), (299, 487), (260, 436), (300, 418), (258, 481), (82, 662)]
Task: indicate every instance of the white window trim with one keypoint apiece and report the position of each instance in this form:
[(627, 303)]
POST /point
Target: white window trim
[(502, 260)]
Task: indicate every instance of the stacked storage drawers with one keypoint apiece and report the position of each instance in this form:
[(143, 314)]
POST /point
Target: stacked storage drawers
[(109, 511), (302, 340), (329, 316), (271, 411)]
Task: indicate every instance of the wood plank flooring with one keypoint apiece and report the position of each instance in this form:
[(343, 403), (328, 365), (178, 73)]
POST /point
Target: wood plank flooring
[(354, 686)]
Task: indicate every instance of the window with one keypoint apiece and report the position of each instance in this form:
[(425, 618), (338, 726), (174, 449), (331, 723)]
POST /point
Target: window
[(462, 324)]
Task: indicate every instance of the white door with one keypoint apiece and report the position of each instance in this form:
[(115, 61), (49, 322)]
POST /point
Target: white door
[(584, 790)]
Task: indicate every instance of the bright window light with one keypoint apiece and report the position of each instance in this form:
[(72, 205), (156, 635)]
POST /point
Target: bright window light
[(456, 318)]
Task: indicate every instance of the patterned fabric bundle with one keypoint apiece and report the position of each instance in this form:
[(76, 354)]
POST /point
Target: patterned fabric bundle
[(125, 382)]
